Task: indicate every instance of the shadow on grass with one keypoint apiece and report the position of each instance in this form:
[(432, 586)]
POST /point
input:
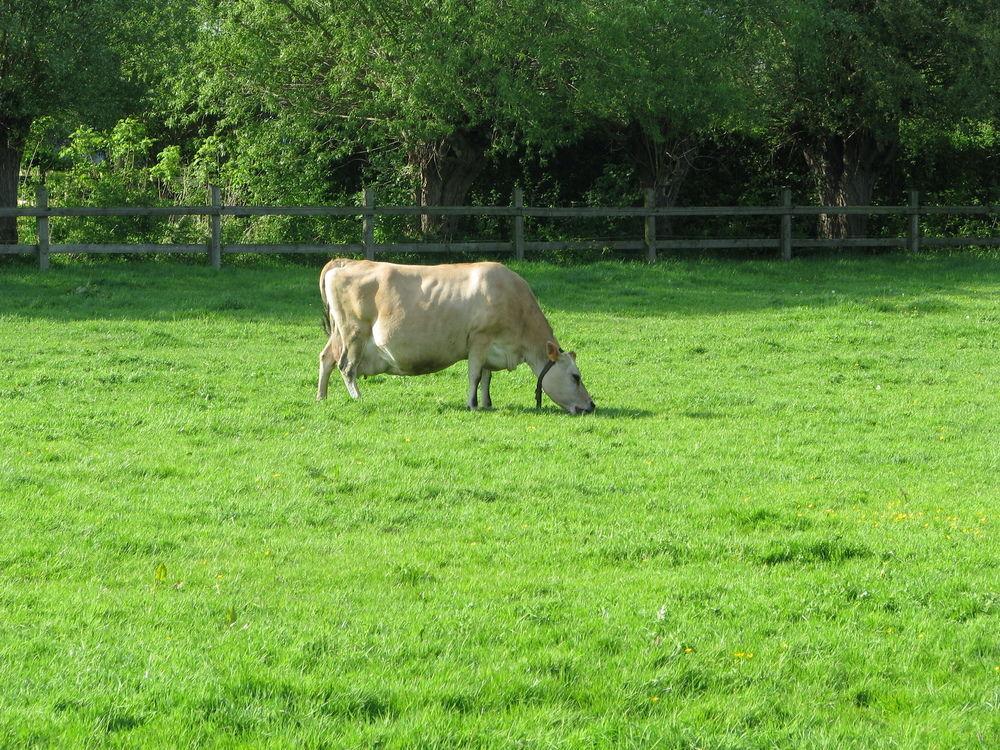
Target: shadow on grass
[(603, 412), (156, 291), (548, 410)]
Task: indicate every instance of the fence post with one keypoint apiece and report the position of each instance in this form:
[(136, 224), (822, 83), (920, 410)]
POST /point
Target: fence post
[(215, 221), (913, 236), (649, 233), (519, 224), (368, 228), (786, 225), (42, 228)]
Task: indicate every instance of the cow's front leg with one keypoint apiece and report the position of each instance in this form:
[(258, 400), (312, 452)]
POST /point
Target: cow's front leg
[(484, 390), (475, 374)]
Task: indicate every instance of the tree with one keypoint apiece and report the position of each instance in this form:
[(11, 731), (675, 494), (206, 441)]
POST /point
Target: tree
[(438, 84), (663, 77), (856, 72), (81, 62), (55, 59)]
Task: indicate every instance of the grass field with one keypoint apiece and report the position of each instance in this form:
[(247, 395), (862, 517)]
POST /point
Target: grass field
[(778, 530)]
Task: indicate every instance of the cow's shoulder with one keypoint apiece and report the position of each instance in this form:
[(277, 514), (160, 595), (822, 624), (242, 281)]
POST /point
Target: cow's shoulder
[(494, 275)]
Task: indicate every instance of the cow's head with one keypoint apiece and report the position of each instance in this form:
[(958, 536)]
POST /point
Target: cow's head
[(561, 381)]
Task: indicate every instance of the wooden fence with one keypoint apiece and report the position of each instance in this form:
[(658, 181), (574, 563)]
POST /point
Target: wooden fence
[(784, 214)]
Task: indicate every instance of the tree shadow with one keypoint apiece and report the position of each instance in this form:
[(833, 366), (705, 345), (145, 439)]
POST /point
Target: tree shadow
[(711, 286), (288, 292)]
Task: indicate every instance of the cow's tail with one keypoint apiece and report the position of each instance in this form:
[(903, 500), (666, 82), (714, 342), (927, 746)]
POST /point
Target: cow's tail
[(327, 319)]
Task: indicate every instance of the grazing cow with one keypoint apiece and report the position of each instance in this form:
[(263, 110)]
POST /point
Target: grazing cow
[(411, 320)]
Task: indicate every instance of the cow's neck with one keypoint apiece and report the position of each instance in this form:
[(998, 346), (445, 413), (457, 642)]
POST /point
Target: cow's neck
[(536, 354), (537, 334)]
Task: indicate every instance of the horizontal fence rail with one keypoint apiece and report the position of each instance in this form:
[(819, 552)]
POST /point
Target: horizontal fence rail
[(42, 212)]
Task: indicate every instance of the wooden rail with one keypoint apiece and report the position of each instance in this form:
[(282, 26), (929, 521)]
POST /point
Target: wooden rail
[(517, 212)]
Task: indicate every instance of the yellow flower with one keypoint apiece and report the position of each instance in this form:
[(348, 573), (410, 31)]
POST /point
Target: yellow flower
[(688, 650), (654, 698)]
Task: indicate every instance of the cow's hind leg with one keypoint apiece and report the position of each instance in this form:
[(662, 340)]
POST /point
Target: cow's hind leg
[(327, 361), (484, 390), (350, 361)]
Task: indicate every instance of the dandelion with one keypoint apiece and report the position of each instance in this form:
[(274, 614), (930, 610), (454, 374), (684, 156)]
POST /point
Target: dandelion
[(688, 650), (654, 698), (743, 654)]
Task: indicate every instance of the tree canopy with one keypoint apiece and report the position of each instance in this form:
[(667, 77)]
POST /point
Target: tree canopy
[(74, 63), (440, 100)]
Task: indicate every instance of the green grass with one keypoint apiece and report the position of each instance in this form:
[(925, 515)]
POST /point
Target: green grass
[(778, 530)]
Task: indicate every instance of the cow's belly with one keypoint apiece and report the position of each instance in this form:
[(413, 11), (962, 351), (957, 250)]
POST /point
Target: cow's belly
[(399, 352)]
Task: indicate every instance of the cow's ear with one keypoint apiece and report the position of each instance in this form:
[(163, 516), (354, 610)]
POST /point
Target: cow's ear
[(552, 349), (572, 355)]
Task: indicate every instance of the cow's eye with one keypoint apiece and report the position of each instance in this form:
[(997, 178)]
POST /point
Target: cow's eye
[(576, 379)]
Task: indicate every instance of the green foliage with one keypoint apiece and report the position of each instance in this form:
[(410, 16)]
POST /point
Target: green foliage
[(295, 89), (70, 60), (121, 167), (671, 67), (851, 64), (778, 529), (304, 102)]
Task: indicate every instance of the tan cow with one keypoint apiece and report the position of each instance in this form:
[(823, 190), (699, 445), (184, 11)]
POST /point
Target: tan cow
[(411, 320)]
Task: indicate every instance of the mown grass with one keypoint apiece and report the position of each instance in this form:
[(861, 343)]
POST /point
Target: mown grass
[(778, 530)]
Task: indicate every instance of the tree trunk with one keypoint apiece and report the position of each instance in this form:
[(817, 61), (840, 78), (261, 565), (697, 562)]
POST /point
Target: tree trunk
[(11, 150), (663, 164), (846, 170), (447, 168)]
